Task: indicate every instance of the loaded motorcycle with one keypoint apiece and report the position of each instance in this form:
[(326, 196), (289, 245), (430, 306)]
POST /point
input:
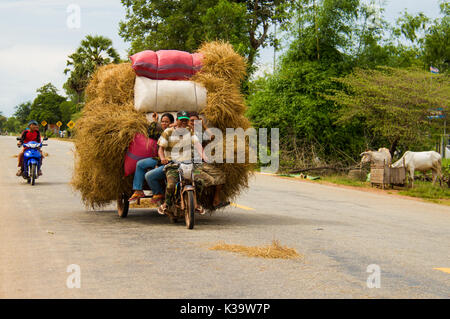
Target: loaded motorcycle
[(185, 199), (32, 160)]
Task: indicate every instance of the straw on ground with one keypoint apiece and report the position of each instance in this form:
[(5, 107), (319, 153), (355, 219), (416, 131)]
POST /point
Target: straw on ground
[(275, 250), (144, 203)]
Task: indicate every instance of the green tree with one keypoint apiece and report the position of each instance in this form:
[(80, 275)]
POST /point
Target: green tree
[(94, 51), (3, 120), (66, 108), (393, 104), (291, 98), (217, 20), (46, 105), (437, 41), (185, 24), (22, 112), (12, 125), (330, 38)]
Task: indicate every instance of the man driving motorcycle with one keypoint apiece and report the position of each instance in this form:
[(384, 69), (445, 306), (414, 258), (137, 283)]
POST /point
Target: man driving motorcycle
[(31, 133), (172, 141)]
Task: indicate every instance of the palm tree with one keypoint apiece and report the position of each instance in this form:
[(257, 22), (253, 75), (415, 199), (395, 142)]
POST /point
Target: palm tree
[(94, 51)]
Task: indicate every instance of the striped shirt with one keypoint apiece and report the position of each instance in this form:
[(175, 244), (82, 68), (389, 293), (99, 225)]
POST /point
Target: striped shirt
[(177, 143)]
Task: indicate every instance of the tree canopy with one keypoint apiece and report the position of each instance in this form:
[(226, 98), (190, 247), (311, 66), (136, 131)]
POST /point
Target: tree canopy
[(394, 104), (46, 105), (329, 97), (185, 24), (22, 112), (94, 51)]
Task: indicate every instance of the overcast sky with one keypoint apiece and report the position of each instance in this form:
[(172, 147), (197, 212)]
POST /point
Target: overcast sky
[(36, 36)]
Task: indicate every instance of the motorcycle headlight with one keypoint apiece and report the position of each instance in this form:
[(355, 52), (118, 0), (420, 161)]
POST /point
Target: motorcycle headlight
[(186, 171)]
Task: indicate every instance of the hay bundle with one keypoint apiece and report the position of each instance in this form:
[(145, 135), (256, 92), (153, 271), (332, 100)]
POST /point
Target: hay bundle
[(109, 123)]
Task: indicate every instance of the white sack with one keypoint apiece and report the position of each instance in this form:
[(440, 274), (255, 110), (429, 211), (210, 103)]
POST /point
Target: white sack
[(167, 95)]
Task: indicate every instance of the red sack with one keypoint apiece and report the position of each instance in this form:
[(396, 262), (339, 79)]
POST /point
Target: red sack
[(141, 147), (166, 64)]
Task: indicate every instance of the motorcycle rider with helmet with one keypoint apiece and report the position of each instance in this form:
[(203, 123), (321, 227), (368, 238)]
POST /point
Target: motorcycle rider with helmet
[(31, 133)]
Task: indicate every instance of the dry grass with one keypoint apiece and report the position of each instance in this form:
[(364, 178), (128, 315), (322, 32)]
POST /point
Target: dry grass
[(275, 250), (220, 60), (109, 122), (145, 203), (112, 84)]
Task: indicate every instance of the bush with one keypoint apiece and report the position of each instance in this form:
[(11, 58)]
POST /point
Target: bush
[(50, 134)]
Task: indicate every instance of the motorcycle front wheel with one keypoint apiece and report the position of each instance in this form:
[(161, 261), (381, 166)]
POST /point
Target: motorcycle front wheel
[(189, 209), (33, 172)]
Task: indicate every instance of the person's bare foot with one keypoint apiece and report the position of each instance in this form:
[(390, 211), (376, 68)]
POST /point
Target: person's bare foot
[(200, 210), (163, 209)]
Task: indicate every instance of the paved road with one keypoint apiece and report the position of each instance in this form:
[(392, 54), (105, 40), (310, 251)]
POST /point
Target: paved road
[(45, 228)]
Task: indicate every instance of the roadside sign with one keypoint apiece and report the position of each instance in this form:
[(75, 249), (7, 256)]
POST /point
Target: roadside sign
[(434, 70), (437, 113), (59, 123), (44, 123), (71, 124)]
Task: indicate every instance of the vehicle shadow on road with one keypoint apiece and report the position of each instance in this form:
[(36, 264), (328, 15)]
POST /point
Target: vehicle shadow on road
[(224, 218), (50, 183)]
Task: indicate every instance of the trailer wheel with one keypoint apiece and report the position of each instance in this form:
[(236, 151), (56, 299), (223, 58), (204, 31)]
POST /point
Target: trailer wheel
[(122, 206)]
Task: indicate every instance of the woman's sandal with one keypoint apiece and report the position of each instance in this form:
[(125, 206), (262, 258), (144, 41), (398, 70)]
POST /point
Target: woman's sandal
[(156, 199), (135, 196)]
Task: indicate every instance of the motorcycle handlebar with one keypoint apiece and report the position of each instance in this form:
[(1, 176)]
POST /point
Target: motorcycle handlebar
[(19, 146), (183, 162)]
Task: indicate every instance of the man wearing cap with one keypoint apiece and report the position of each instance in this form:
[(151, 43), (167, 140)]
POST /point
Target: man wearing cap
[(175, 145), (31, 133)]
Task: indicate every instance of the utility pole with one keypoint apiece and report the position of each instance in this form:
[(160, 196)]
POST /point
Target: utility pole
[(275, 49), (317, 33)]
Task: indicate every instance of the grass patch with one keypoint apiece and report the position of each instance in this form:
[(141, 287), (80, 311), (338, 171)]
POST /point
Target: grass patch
[(275, 250), (344, 180), (427, 191), (424, 190)]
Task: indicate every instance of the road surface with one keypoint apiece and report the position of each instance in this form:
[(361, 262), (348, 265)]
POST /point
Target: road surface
[(339, 232)]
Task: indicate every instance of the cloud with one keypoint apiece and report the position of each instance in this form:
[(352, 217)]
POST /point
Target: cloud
[(34, 49), (25, 68), (33, 4)]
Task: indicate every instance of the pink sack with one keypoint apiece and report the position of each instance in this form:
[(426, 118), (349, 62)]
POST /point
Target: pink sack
[(166, 64), (141, 147)]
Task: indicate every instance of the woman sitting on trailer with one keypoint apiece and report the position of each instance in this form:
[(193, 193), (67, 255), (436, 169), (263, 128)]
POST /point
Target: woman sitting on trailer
[(154, 132)]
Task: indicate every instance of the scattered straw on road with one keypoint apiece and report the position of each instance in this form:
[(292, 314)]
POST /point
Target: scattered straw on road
[(275, 250), (145, 203)]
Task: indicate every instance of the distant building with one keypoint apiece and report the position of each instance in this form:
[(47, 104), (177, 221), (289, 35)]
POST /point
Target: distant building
[(54, 128)]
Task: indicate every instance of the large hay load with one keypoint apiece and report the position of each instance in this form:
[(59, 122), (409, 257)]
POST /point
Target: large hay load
[(110, 121)]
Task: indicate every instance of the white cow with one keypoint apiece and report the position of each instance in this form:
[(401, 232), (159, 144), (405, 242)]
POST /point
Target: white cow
[(380, 157), (422, 162)]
